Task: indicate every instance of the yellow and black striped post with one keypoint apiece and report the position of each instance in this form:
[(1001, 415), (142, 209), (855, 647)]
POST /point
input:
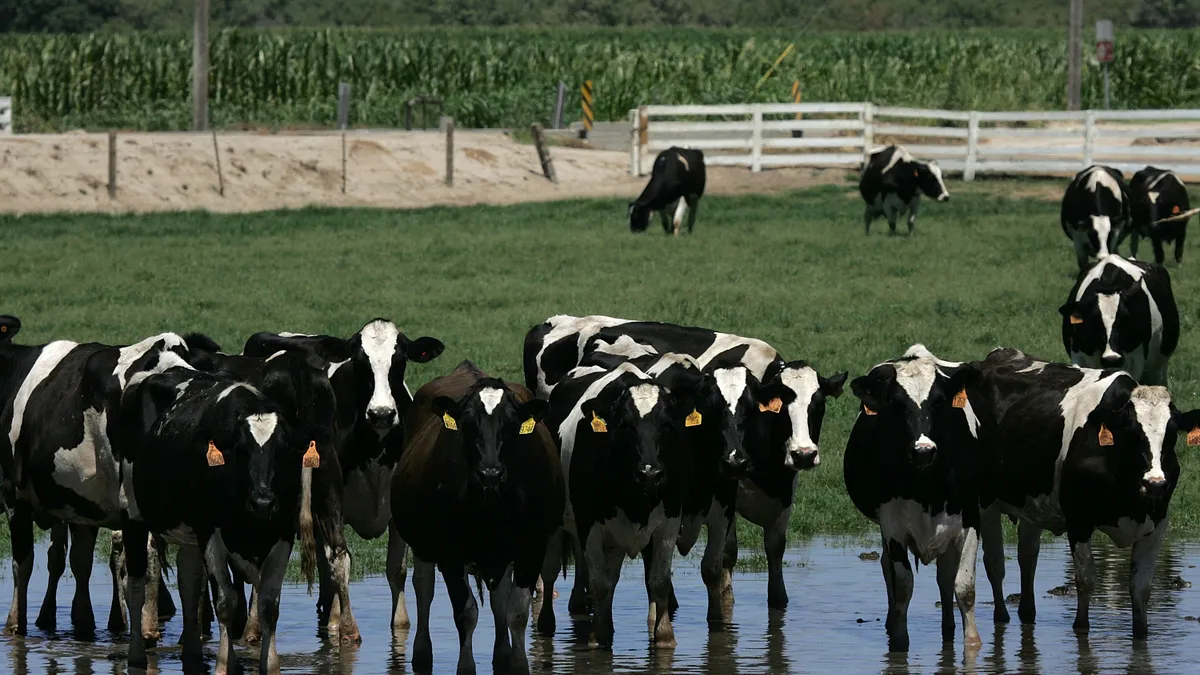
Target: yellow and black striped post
[(589, 115)]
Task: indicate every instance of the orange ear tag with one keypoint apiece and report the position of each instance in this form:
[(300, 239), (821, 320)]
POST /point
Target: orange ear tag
[(598, 425), (868, 411), (1076, 319), (1175, 209), (960, 399), (311, 459), (214, 456), (694, 419), (1194, 437), (774, 405), (1105, 436)]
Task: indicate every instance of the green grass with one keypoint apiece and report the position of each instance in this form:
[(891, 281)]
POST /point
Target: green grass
[(984, 270)]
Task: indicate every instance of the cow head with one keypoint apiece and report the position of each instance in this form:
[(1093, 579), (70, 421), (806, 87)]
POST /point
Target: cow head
[(636, 417), (913, 401), (1107, 327), (489, 419), (639, 217), (9, 327), (153, 355), (1099, 233), (714, 408), (381, 353), (792, 404), (930, 181)]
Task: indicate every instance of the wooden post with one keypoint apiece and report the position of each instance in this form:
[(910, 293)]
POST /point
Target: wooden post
[(1089, 137), (343, 162), (112, 165), (1075, 56), (868, 119), (200, 67), (634, 143), (643, 136), (756, 141), (450, 151), (972, 146), (217, 154), (539, 139)]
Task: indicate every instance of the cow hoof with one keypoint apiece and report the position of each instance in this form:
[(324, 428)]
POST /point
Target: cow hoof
[(972, 641), (116, 626), (1000, 614), (1081, 626), (1027, 615), (354, 638), (11, 629), (151, 637), (44, 622), (83, 622)]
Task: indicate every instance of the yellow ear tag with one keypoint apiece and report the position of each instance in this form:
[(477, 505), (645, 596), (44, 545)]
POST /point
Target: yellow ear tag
[(598, 424), (694, 419), (214, 456), (1076, 319), (1194, 436), (449, 422), (868, 411), (1105, 436), (775, 405), (311, 459), (527, 427), (960, 399)]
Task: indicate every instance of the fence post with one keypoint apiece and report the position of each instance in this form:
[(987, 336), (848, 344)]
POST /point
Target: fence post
[(643, 137), (756, 140), (634, 143), (560, 100), (450, 151), (220, 174), (543, 150), (589, 114), (868, 120), (1089, 137), (972, 146), (343, 111), (6, 115), (112, 165)]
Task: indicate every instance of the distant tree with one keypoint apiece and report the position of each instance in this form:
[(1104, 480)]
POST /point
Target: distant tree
[(1167, 14), (56, 16)]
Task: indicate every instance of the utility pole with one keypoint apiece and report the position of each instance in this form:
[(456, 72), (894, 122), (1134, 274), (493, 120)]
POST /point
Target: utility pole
[(1075, 56), (200, 67)]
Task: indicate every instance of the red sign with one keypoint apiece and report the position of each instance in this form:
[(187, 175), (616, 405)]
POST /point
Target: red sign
[(1104, 52)]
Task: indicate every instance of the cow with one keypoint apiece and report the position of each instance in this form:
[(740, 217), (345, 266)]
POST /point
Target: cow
[(372, 400), (910, 467), (617, 433), (676, 184), (479, 487), (62, 466), (1075, 450), (1095, 212), (220, 469), (782, 435), (892, 183), (1122, 314), (1160, 209)]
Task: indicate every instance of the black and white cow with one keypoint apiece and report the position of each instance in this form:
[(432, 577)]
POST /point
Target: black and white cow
[(367, 374), (219, 469), (911, 467), (892, 183), (781, 437), (1161, 209), (676, 184), (617, 432), (1077, 450), (59, 461), (479, 487), (1122, 314), (1095, 212)]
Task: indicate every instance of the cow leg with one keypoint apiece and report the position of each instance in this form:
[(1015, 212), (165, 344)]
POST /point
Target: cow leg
[(1085, 578), (340, 570), (580, 604), (165, 604), (423, 584), (499, 596), (546, 624), (116, 567), (56, 564), (270, 587), (397, 574), (947, 568), (666, 220), (1134, 240), (137, 567), (902, 589), (216, 560), (964, 585), (326, 594), (20, 525), (1179, 244), (885, 563), (659, 583), (252, 634), (208, 592), (1157, 245), (1081, 251), (150, 606), (775, 541), (913, 207), (604, 564), (992, 532), (189, 569), (1029, 543), (712, 565), (83, 549), (693, 203), (681, 208), (728, 562), (466, 614), (1141, 569), (518, 619)]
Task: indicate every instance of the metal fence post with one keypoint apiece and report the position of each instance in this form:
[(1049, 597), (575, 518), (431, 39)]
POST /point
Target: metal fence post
[(1089, 137), (972, 146), (868, 120), (634, 143), (756, 140), (560, 100)]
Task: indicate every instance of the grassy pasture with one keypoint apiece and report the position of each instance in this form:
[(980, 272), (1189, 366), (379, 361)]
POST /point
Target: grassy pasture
[(989, 268)]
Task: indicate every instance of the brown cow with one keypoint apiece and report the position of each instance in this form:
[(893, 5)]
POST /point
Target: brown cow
[(479, 486)]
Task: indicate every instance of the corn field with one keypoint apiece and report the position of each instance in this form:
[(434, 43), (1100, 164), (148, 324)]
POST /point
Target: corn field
[(506, 78)]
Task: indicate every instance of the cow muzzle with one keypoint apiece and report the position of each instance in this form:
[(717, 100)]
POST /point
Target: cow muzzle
[(737, 463), (798, 459), (944, 197), (1154, 486), (263, 505), (1112, 360), (650, 475), (491, 477), (381, 418), (923, 450)]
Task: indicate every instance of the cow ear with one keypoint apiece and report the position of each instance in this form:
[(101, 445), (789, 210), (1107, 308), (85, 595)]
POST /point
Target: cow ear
[(424, 349), (866, 389), (1189, 425), (534, 409), (832, 387), (9, 326), (443, 405), (966, 376)]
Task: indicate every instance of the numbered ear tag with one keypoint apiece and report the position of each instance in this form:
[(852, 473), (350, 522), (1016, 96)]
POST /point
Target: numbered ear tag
[(960, 399), (598, 425), (774, 405), (868, 411), (214, 456), (1076, 319), (1106, 437), (448, 422), (1194, 437), (311, 459), (694, 419), (527, 427)]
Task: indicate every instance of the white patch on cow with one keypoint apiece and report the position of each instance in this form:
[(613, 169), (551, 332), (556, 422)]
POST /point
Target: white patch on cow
[(296, 335), (333, 367), (900, 155), (680, 212), (1079, 402), (1129, 530), (937, 173), (89, 470), (732, 384), (1034, 367), (562, 326), (127, 356), (491, 398), (645, 397), (1097, 177), (566, 430), (802, 381), (181, 388), (1102, 226), (1152, 408), (672, 359), (972, 420), (626, 347), (279, 353), (379, 340), (233, 387), (925, 442), (126, 499), (262, 427), (916, 378), (759, 355), (1098, 270), (1157, 179), (1152, 196), (49, 358), (1109, 304), (920, 351), (683, 161), (927, 535)]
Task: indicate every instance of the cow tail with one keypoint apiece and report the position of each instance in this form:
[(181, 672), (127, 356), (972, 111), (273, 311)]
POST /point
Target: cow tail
[(308, 543), (568, 552)]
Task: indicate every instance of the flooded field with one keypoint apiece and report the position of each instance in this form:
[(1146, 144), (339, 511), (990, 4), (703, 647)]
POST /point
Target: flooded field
[(834, 625)]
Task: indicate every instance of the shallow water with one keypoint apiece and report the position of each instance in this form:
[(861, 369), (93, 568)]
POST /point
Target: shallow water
[(831, 590)]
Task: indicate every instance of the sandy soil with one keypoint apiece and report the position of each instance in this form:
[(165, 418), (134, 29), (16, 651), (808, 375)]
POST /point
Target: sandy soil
[(177, 171)]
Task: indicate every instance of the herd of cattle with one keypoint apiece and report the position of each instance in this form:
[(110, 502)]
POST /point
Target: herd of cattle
[(627, 438)]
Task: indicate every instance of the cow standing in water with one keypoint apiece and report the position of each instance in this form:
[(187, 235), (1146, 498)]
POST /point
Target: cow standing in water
[(892, 183), (1095, 212), (1160, 208), (676, 184)]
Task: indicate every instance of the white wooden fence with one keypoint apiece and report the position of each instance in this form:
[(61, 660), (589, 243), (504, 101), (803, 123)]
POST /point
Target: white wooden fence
[(6, 117), (835, 135)]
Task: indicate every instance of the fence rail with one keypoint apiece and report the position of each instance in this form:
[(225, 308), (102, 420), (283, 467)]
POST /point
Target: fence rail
[(841, 135), (6, 116)]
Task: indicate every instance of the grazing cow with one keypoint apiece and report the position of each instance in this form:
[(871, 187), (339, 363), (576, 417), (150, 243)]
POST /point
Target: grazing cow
[(1121, 314), (1077, 450), (59, 462), (219, 469), (676, 184), (367, 374), (781, 436), (1161, 209), (479, 486), (617, 432), (892, 183), (1095, 212), (910, 466)]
